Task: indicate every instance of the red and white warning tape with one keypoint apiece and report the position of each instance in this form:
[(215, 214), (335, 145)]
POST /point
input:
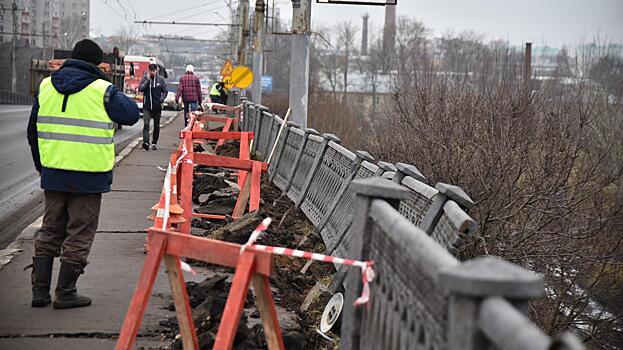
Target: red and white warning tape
[(367, 273)]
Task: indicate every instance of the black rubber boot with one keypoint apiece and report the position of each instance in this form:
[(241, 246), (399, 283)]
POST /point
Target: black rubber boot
[(66, 296), (41, 277)]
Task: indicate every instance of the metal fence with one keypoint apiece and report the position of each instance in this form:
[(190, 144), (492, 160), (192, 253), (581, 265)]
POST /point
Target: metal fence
[(422, 296), (14, 98)]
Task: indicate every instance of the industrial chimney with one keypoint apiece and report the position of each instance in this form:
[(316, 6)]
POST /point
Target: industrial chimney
[(364, 35), (389, 35)]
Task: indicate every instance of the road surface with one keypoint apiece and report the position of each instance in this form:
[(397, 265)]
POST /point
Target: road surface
[(19, 182)]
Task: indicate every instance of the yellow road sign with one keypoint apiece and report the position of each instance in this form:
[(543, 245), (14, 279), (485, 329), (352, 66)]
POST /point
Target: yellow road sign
[(227, 69), (241, 77)]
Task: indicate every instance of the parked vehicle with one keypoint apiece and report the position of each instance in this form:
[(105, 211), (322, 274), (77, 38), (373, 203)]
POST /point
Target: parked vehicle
[(169, 101)]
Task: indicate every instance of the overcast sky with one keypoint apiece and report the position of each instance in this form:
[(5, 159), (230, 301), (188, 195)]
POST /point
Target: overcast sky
[(551, 22)]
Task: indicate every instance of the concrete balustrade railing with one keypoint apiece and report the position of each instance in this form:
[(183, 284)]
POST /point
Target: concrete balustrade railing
[(422, 297)]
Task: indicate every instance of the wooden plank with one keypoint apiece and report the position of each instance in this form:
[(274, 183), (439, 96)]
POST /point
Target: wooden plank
[(185, 177), (235, 302), (140, 298), (217, 135), (256, 178), (226, 128), (268, 312), (243, 199), (182, 305), (210, 250), (225, 162), (209, 216), (244, 154)]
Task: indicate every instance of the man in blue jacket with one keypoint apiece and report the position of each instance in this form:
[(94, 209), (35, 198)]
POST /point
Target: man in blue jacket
[(154, 90), (70, 133)]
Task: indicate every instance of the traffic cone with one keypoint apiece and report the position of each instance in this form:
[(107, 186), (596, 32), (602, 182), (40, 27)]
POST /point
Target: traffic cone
[(175, 210)]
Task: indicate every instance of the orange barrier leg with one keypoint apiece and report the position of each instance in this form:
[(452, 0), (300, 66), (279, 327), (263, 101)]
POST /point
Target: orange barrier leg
[(254, 197), (235, 302), (145, 284), (186, 183), (182, 305), (268, 312), (244, 154), (226, 128)]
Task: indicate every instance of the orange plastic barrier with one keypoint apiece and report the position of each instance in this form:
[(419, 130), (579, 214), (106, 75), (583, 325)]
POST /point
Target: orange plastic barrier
[(251, 267)]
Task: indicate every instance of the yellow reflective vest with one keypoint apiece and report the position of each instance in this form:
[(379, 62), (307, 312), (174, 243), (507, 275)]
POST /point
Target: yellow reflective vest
[(80, 137), (214, 91)]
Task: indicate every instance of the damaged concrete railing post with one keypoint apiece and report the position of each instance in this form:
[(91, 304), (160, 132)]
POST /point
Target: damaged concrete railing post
[(314, 168), (259, 112), (274, 164), (481, 312), (268, 128), (360, 156), (366, 191), (455, 193), (403, 170), (299, 155), (386, 170)]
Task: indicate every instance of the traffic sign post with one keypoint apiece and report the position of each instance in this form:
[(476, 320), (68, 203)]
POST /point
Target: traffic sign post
[(241, 77), (227, 69)]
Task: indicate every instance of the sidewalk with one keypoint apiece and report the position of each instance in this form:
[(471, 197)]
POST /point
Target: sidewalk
[(110, 278)]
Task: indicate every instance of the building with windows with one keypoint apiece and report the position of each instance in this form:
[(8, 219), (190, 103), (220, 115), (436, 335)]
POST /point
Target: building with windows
[(45, 23)]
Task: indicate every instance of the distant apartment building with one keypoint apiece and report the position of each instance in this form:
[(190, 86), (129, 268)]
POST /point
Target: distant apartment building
[(44, 23)]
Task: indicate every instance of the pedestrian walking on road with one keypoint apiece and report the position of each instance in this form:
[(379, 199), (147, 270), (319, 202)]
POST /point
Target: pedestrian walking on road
[(70, 132), (154, 90), (189, 91)]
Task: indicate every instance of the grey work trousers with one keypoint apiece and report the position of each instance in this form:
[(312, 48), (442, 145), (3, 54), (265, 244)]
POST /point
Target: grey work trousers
[(69, 225), (148, 115)]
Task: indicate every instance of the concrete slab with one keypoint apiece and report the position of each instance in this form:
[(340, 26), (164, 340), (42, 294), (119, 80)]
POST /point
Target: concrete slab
[(56, 343), (123, 214), (75, 343), (115, 263), (140, 178)]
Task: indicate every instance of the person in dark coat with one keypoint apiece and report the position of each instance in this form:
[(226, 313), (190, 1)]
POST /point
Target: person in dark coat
[(70, 132), (154, 90)]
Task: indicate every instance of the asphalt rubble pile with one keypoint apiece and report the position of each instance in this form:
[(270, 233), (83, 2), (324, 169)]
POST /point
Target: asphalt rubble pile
[(215, 192)]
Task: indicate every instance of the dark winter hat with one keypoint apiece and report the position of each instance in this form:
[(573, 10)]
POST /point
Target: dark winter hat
[(88, 50)]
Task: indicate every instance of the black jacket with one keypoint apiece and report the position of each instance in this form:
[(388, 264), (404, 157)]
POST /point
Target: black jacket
[(71, 78), (154, 92)]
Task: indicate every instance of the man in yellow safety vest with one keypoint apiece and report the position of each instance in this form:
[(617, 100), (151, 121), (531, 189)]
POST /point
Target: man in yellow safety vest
[(218, 94), (70, 133)]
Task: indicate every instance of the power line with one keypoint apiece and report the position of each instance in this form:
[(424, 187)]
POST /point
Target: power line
[(189, 23), (198, 52), (189, 39), (184, 10), (213, 9), (133, 9), (117, 12)]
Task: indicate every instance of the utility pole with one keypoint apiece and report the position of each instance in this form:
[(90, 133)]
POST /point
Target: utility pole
[(258, 29), (244, 32), (299, 61), (13, 49), (527, 66)]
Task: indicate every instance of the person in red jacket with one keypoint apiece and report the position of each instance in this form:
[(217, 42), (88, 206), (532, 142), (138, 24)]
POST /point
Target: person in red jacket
[(189, 91)]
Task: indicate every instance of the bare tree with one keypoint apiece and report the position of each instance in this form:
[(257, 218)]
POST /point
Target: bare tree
[(546, 172), (346, 50), (72, 30), (124, 38)]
